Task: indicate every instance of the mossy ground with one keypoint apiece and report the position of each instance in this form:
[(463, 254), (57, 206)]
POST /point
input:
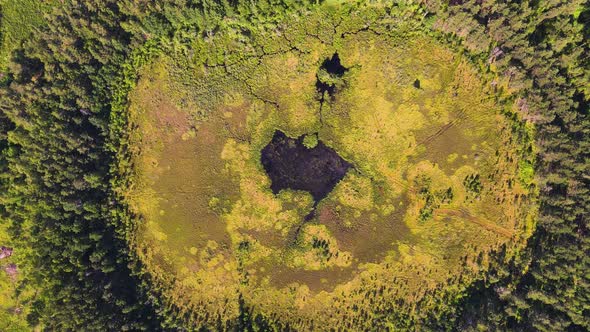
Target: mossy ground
[(437, 179)]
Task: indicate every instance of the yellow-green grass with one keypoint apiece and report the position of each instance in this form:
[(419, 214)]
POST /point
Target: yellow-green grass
[(18, 19), (15, 293), (435, 185)]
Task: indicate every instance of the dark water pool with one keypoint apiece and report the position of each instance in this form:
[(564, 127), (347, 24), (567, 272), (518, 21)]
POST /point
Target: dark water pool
[(291, 165)]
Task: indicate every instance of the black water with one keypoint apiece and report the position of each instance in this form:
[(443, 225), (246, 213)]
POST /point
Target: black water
[(417, 84), (333, 67), (291, 165)]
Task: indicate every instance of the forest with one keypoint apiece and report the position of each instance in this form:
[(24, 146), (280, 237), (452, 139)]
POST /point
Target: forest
[(83, 85)]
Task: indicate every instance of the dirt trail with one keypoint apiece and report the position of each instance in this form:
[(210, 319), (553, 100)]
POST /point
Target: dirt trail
[(486, 224)]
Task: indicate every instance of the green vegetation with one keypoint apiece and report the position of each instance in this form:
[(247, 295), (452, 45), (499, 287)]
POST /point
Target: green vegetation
[(15, 292), (197, 132), (134, 195), (18, 20)]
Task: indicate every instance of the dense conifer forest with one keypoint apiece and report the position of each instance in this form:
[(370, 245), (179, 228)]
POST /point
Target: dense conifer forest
[(69, 68)]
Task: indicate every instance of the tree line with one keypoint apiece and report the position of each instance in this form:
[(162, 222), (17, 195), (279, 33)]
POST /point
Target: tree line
[(56, 140)]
